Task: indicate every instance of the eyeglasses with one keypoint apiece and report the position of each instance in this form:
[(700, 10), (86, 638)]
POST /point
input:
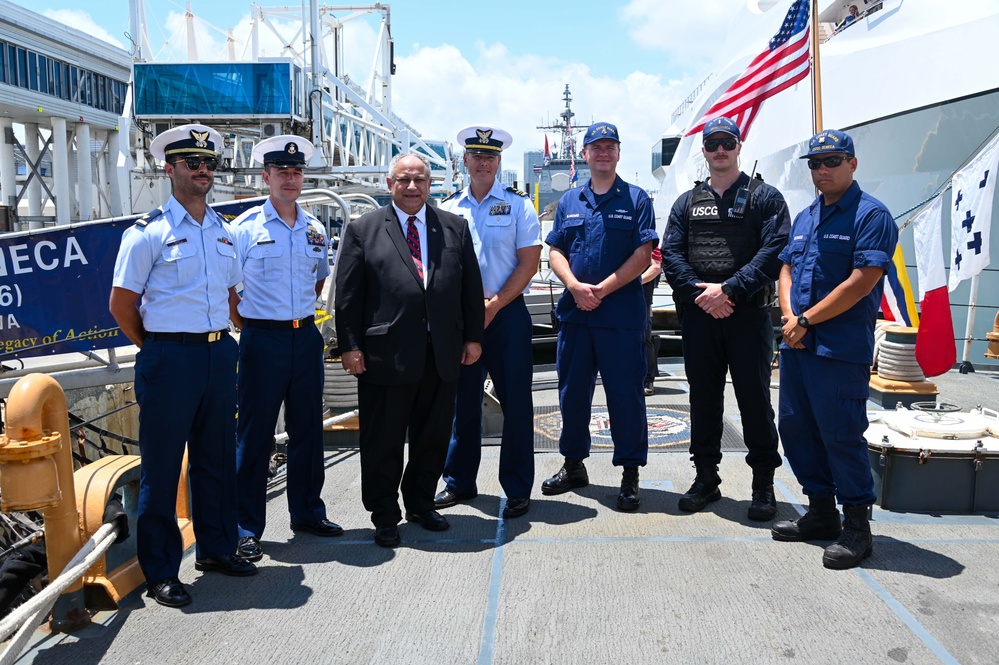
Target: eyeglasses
[(712, 144), (406, 181), (194, 163), (814, 163)]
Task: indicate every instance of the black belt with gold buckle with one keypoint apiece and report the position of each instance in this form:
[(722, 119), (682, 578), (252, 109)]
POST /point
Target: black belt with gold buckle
[(187, 338), (279, 325)]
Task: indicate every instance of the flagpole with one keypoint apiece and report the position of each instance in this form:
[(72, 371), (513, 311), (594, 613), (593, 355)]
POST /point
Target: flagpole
[(816, 72), (966, 367)]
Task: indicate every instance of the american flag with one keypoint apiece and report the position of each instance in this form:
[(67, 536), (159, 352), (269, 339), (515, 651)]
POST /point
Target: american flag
[(782, 64)]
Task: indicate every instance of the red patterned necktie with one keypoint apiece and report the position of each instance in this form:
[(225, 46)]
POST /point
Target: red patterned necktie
[(413, 240)]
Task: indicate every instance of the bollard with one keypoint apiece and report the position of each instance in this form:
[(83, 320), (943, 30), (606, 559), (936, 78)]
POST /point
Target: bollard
[(36, 471)]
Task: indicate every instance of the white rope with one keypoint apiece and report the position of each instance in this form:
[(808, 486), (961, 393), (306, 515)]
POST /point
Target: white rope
[(283, 436), (33, 612)]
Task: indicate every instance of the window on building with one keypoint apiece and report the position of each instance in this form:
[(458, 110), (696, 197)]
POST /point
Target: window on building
[(11, 64), (74, 84), (32, 71), (22, 68), (43, 75), (3, 62)]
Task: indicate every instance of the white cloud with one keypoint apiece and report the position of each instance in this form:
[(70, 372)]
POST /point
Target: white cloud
[(440, 91), (81, 20), (688, 31)]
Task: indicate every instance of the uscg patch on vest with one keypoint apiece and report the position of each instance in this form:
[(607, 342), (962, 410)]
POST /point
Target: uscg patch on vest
[(704, 211)]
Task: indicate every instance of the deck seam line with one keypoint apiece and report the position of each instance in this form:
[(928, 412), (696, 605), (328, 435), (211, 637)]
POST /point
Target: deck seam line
[(907, 618), (487, 646)]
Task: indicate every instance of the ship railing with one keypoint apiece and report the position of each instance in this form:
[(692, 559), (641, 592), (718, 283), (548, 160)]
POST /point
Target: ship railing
[(689, 101), (30, 615)]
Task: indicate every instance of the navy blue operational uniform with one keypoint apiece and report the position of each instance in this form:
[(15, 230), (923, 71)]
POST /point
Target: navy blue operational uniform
[(185, 381), (825, 386), (501, 224), (830, 287), (280, 361), (706, 243), (598, 234)]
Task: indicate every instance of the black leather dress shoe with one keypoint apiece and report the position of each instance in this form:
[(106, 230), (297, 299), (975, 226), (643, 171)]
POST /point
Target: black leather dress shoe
[(516, 507), (387, 536), (169, 592), (447, 498), (321, 528), (249, 548), (430, 520), (229, 564)]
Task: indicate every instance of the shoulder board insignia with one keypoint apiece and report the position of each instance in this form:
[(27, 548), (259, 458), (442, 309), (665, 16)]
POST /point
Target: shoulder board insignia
[(451, 196), (148, 217), (517, 191)]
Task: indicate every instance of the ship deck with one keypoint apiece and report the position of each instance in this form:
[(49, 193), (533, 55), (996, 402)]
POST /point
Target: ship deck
[(574, 581)]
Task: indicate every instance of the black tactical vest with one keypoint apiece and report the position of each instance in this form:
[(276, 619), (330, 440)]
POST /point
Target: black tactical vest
[(717, 244)]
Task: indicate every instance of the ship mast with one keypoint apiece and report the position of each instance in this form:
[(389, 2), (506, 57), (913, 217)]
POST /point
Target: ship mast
[(564, 130)]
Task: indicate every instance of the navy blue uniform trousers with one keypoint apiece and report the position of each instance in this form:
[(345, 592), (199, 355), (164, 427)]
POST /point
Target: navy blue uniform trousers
[(186, 395), (619, 355), (278, 366), (507, 357), (743, 344), (823, 417)]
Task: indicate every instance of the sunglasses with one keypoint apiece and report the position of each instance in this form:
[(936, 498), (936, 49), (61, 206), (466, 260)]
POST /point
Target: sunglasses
[(814, 163), (712, 144), (194, 163)]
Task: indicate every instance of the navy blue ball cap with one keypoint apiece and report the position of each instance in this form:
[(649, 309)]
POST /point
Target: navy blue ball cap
[(829, 141), (601, 130), (723, 125)]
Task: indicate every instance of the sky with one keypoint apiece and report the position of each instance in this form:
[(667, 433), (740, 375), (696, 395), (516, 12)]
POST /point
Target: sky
[(462, 63)]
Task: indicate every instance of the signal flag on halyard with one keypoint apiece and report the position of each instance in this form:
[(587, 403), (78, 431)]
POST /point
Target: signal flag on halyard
[(971, 218), (897, 303), (936, 350), (548, 153), (782, 64)]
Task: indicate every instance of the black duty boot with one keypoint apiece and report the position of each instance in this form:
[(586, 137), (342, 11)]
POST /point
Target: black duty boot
[(703, 491), (629, 500), (570, 476), (821, 522), (764, 505), (854, 545)]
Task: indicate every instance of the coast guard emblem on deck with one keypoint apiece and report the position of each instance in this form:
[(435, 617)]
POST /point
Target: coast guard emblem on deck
[(484, 135), (200, 138)]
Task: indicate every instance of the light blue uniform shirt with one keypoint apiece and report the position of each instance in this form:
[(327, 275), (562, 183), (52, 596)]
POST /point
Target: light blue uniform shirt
[(280, 265), (182, 270), (502, 223)]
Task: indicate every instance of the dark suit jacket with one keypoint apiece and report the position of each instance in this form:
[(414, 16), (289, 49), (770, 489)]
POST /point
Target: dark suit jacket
[(383, 309)]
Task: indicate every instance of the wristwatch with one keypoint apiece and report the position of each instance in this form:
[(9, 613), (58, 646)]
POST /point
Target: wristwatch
[(727, 289), (803, 321)]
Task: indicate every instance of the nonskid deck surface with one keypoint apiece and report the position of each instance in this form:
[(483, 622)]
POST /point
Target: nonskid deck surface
[(575, 581)]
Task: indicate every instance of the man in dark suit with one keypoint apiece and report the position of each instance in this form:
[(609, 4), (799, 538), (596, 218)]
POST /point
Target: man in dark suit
[(409, 313)]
